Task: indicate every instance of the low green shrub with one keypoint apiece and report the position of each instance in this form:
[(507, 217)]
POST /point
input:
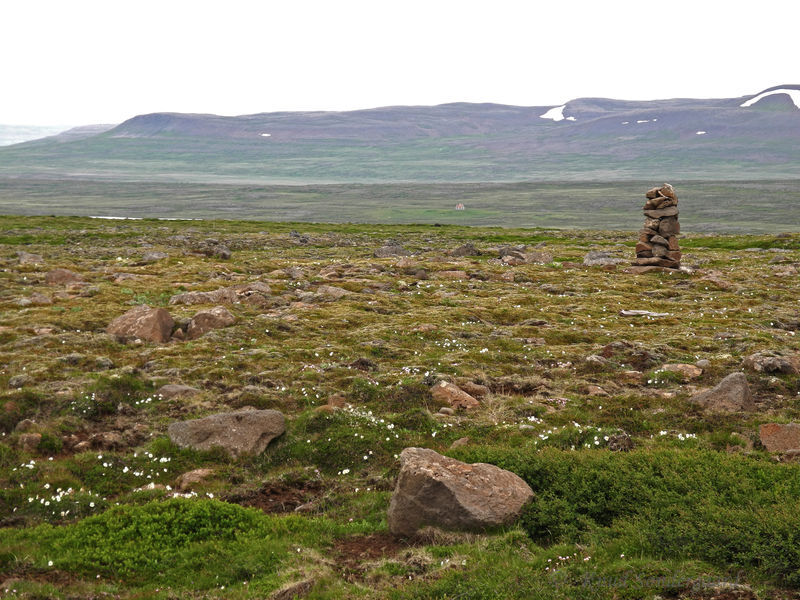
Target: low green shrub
[(728, 510)]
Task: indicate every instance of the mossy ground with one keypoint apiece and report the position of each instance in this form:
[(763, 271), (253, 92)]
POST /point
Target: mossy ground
[(698, 498)]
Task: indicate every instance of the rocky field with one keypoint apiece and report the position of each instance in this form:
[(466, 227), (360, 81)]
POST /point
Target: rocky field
[(208, 409)]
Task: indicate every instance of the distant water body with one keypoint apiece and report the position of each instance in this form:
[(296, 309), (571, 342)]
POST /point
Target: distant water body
[(16, 134)]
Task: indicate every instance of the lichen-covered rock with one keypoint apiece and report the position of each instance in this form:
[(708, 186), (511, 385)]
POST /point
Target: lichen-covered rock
[(732, 394), (434, 490), (238, 433), (780, 437), (143, 323)]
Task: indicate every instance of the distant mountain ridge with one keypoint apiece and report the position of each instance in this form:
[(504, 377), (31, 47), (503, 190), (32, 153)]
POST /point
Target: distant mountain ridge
[(753, 136)]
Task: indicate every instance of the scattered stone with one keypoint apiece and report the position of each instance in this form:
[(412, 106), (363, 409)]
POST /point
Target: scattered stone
[(29, 442), (703, 363), (143, 323), (255, 293), (462, 441), (732, 394), (62, 277), (238, 433), (39, 299), (446, 410), (28, 258), (454, 396), (452, 275), (19, 381), (780, 437), (186, 481), (596, 390), (25, 425), (642, 313), (154, 256), (331, 292), (176, 390), (467, 249), (107, 440), (102, 362), (620, 442), (206, 320), (722, 590), (434, 490), (631, 377), (392, 249), (715, 278), (688, 372), (772, 362)]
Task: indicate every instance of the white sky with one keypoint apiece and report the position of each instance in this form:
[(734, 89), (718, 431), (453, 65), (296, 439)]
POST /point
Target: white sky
[(71, 62)]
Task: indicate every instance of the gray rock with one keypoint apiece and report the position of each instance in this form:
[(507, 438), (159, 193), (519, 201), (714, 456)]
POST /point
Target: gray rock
[(732, 394), (176, 390), (28, 258), (597, 258), (391, 250), (467, 249), (154, 256), (18, 381), (238, 433), (103, 362), (434, 490), (772, 362)]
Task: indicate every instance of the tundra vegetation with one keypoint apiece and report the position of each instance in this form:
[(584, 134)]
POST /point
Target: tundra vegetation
[(639, 491)]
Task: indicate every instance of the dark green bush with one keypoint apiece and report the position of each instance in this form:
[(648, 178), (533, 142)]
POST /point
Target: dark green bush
[(728, 510)]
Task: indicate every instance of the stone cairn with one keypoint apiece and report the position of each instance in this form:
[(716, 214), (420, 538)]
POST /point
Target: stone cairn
[(658, 244)]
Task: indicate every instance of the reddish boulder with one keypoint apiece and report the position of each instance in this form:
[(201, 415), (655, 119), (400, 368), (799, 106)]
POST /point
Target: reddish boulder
[(144, 323)]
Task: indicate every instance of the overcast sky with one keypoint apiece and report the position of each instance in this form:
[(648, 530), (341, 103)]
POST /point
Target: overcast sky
[(85, 61)]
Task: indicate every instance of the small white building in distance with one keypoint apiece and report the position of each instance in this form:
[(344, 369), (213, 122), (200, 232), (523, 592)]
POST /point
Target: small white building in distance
[(460, 206)]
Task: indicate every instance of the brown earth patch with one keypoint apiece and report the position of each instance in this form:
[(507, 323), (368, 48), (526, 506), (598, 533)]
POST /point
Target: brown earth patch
[(279, 497), (350, 553)]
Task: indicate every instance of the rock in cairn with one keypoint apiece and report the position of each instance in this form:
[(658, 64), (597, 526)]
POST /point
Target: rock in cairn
[(658, 244)]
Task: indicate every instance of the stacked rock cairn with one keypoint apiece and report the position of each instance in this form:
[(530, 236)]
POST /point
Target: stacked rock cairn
[(658, 242)]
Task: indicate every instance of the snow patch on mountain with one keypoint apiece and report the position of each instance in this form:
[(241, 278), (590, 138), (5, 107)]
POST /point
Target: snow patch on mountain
[(556, 114), (793, 94)]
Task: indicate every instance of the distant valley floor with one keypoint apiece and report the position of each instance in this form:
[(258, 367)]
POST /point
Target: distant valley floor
[(765, 206)]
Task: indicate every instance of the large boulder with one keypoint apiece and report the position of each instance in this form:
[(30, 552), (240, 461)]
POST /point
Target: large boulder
[(238, 433), (732, 394), (143, 323), (206, 320), (780, 437), (434, 490)]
